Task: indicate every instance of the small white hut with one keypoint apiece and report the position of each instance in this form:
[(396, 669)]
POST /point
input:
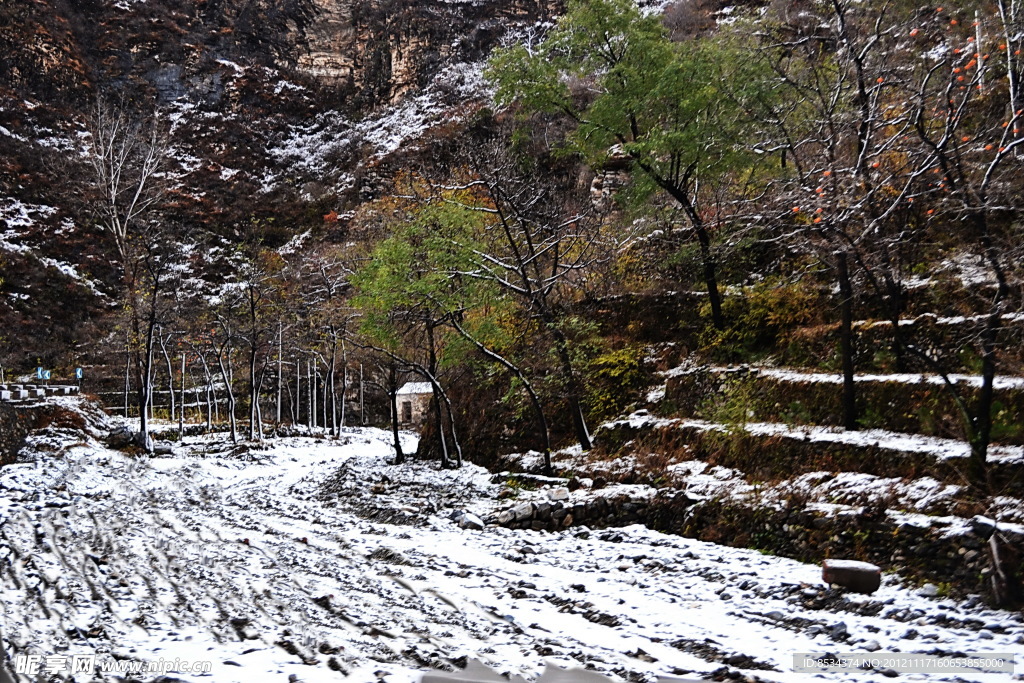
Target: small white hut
[(413, 401)]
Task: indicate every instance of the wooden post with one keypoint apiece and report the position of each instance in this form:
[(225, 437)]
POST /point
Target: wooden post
[(846, 343), (362, 412)]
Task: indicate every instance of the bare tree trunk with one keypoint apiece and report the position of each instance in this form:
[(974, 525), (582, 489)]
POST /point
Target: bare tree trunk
[(573, 389), (311, 365), (846, 343), (181, 411), (344, 387), (393, 400), (280, 371), (298, 392), (146, 392), (253, 390), (534, 398), (127, 377), (170, 373), (225, 371), (326, 395)]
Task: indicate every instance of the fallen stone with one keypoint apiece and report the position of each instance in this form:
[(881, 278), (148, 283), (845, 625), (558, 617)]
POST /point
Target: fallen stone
[(119, 438), (839, 631), (470, 521), (163, 448), (558, 493), (929, 590), (859, 577), (506, 517), (523, 512)]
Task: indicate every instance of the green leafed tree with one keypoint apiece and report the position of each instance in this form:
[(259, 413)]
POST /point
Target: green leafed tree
[(679, 111)]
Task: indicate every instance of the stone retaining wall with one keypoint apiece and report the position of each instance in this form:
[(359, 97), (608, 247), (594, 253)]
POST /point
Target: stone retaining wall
[(960, 563), (918, 408), (617, 510), (776, 457)]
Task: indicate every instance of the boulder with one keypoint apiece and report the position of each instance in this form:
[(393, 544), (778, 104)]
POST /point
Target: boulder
[(558, 493), (859, 577), (523, 512), (506, 517), (470, 521), (121, 437), (163, 448)]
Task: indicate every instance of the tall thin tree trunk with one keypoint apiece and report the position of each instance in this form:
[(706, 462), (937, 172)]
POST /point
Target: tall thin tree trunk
[(170, 374), (298, 392), (280, 370), (344, 388), (393, 400), (312, 393), (534, 398), (573, 389), (225, 371), (846, 343), (181, 411), (253, 390), (326, 396), (146, 391), (127, 378), (709, 270)]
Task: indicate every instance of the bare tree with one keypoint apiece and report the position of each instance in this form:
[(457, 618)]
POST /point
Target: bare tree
[(537, 247), (128, 159)]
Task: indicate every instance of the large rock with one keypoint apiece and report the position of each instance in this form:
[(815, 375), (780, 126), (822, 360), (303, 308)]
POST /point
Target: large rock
[(859, 577), (524, 511), (471, 521), (558, 493), (120, 437)]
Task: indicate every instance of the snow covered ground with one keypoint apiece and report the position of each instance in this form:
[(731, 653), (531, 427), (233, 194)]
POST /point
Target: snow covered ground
[(309, 559)]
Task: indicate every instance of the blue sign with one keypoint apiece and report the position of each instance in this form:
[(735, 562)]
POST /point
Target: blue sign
[(46, 374), (78, 373), (39, 373)]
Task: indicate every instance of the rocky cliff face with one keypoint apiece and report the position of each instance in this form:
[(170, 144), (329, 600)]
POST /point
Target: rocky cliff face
[(279, 108), (372, 50), (388, 48)]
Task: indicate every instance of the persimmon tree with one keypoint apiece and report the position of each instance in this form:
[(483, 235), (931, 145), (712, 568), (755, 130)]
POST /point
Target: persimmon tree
[(902, 127)]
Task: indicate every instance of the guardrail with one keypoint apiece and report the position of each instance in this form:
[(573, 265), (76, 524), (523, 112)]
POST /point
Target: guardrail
[(24, 392)]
